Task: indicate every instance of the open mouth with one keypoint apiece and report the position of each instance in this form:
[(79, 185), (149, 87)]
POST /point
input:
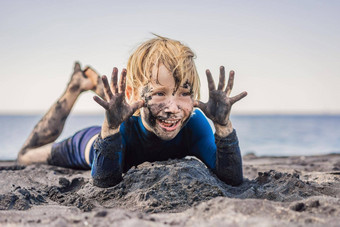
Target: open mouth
[(168, 125)]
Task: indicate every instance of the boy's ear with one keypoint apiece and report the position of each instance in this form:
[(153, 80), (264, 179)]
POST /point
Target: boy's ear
[(128, 92)]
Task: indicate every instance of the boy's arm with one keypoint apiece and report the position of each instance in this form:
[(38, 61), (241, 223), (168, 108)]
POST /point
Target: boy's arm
[(107, 165), (228, 159), (228, 156), (220, 154), (108, 160)]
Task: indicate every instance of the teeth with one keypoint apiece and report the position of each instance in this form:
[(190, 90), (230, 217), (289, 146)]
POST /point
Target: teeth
[(169, 122)]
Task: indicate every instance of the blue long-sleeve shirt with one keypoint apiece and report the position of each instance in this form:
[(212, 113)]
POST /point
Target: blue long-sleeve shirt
[(134, 145)]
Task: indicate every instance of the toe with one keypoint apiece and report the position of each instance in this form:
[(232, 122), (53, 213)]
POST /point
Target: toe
[(92, 75)]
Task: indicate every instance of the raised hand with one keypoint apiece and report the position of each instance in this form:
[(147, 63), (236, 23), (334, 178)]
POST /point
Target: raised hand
[(219, 104), (117, 109)]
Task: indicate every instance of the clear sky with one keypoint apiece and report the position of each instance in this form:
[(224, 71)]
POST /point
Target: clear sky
[(286, 54)]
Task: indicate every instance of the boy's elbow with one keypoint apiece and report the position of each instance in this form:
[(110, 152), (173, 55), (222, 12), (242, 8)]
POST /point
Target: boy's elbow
[(232, 181), (235, 182), (233, 178), (107, 181)]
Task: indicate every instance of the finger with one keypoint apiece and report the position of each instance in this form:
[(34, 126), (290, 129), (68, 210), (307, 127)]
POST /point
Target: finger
[(122, 82), (200, 105), (238, 97), (114, 80), (107, 90), (137, 105), (211, 83), (101, 102), (230, 82), (221, 81), (100, 91)]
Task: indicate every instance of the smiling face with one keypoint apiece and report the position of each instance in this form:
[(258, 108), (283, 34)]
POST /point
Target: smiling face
[(169, 103)]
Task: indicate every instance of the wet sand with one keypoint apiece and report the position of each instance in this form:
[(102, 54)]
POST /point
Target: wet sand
[(277, 191)]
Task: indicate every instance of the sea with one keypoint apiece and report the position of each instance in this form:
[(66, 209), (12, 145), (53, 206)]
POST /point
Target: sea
[(262, 135)]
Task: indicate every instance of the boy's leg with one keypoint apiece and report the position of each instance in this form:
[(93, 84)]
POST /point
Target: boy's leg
[(71, 152), (37, 147), (88, 149)]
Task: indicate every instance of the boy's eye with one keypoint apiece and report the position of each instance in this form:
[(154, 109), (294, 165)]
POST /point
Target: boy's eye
[(186, 93), (159, 94)]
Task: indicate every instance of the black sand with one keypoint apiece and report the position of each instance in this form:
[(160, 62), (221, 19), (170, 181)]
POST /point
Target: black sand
[(276, 191)]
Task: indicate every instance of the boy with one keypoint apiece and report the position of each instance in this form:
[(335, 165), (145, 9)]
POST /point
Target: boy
[(160, 88)]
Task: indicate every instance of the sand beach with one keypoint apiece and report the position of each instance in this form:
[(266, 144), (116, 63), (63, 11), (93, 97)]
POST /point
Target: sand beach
[(277, 191)]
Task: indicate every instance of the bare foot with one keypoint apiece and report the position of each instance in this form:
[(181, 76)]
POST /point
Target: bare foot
[(96, 80), (85, 80)]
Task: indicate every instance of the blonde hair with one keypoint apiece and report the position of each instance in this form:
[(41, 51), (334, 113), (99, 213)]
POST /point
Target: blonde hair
[(176, 57)]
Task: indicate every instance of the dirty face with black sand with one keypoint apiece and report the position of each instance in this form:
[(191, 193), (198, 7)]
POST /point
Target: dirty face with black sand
[(168, 104)]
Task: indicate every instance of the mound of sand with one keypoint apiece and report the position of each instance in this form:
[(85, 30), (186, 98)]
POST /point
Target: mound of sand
[(276, 191)]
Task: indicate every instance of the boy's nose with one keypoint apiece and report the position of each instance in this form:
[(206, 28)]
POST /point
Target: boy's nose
[(172, 107)]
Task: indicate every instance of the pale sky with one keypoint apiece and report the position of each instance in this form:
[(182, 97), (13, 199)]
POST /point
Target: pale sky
[(286, 54)]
